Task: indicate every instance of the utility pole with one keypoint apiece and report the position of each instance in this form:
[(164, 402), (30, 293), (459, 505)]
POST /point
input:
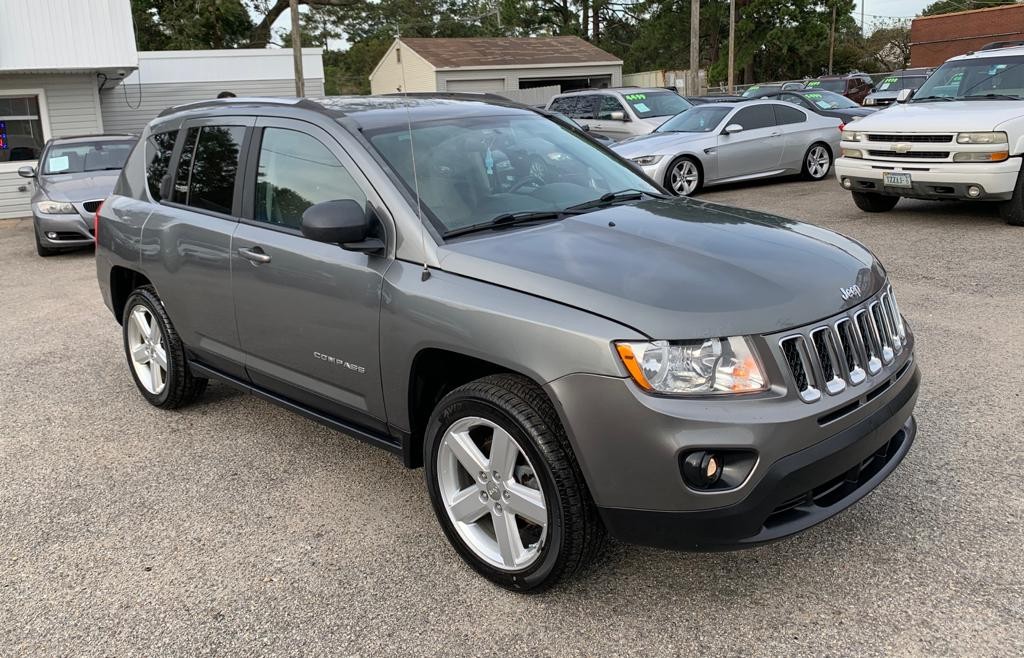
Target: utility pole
[(732, 46), (863, 28), (831, 38), (694, 86), (300, 83)]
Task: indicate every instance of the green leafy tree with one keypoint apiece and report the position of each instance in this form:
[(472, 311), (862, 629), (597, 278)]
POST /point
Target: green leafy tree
[(950, 6)]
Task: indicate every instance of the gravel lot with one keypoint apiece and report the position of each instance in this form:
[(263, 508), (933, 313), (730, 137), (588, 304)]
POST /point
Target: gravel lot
[(234, 527)]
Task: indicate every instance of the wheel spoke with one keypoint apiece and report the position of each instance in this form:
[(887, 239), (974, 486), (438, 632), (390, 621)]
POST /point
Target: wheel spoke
[(139, 319), (140, 355), (155, 379), (160, 357), (467, 453), (527, 503), (503, 453), (155, 335), (506, 532), (467, 506)]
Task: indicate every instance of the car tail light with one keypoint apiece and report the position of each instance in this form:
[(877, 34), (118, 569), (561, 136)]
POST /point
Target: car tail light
[(842, 127), (96, 224)]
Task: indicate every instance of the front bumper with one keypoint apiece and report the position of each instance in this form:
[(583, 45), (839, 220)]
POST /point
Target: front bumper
[(68, 230), (949, 180)]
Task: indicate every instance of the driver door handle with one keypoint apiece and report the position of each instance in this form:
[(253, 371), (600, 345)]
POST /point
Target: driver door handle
[(254, 255)]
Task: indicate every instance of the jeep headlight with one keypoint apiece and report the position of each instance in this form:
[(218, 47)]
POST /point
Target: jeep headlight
[(55, 207), (693, 367), (647, 160), (981, 138)]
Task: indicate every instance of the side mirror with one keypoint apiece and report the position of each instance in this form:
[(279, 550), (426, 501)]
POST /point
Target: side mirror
[(617, 115), (904, 95), (343, 222), (733, 128), (27, 172)]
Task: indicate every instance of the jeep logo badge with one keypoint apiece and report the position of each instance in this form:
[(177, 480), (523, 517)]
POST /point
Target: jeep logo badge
[(850, 293)]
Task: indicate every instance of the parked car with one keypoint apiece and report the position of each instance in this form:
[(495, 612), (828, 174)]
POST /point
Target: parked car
[(961, 136), (728, 142), (620, 112), (567, 353), (755, 91), (888, 88), (74, 175), (569, 121), (855, 86), (825, 103)]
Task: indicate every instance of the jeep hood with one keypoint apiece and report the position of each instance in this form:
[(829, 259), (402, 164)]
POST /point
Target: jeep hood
[(943, 116), (677, 268)]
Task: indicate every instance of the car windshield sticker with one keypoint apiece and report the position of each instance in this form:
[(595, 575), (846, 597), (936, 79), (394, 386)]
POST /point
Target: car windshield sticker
[(641, 107), (636, 97), (58, 164), (814, 96), (814, 83), (823, 104), (996, 69), (885, 84)]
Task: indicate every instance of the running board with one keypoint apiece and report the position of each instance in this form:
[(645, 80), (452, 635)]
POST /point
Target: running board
[(373, 438)]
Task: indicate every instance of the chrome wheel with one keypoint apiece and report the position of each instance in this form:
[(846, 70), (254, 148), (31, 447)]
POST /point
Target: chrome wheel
[(684, 178), (818, 162), (492, 494), (146, 349)]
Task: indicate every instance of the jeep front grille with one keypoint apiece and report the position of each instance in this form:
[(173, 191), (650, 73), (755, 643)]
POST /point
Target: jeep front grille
[(846, 350)]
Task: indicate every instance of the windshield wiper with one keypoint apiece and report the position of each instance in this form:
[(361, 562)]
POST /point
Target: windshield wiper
[(926, 99), (510, 219), (1009, 97), (629, 194)]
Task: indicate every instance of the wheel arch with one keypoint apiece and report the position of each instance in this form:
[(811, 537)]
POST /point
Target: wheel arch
[(667, 184), (123, 281)]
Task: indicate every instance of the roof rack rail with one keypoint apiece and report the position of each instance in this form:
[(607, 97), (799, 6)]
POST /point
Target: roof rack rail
[(257, 100)]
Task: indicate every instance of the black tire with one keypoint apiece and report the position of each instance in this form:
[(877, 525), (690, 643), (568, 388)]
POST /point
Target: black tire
[(181, 387), (43, 251), (1013, 210), (806, 171), (678, 162), (869, 202), (575, 533)]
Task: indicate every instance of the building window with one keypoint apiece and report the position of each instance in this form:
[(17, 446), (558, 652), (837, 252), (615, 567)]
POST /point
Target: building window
[(21, 129)]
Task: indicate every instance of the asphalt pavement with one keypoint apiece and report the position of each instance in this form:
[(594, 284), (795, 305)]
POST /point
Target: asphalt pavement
[(233, 527)]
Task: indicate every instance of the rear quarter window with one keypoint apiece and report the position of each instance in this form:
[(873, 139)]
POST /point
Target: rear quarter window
[(158, 159)]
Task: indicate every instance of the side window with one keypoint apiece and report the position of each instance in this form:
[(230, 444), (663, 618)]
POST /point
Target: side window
[(207, 168), (577, 106), (785, 115), (295, 172), (563, 105), (158, 159), (608, 105), (756, 116)]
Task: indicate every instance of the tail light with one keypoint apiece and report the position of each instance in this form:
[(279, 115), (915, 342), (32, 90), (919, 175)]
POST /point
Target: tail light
[(842, 127), (96, 224)]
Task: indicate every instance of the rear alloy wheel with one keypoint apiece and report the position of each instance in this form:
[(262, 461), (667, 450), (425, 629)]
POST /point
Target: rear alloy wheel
[(683, 177), (817, 162), (869, 202), (156, 355), (505, 484)]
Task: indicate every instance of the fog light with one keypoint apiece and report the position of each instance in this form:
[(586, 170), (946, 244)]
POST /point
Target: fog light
[(974, 191), (702, 469), (847, 183), (51, 235)]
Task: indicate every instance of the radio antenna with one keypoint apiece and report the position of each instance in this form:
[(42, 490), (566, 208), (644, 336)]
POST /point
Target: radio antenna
[(412, 154)]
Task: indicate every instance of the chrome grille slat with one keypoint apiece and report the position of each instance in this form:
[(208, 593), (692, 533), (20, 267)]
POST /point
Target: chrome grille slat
[(910, 137), (845, 351)]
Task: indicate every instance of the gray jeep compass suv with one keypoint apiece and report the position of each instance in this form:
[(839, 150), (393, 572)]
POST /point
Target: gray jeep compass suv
[(485, 292)]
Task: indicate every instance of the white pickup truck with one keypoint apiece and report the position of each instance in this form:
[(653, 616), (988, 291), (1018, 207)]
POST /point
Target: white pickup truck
[(960, 136)]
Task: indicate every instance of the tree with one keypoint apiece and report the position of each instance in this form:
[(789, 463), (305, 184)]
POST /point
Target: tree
[(950, 6), (888, 47)]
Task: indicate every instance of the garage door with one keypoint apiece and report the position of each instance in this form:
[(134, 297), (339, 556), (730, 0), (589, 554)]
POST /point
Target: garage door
[(496, 84)]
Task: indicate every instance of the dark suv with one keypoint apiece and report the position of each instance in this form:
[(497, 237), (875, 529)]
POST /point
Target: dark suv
[(483, 291), (855, 86)]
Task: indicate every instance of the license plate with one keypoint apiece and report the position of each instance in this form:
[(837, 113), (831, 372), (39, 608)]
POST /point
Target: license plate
[(890, 179)]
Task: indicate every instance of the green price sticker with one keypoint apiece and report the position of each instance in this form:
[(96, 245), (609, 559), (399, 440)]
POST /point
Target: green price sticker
[(812, 96), (814, 83), (636, 97)]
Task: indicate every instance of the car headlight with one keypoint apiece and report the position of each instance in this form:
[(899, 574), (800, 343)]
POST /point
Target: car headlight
[(647, 160), (869, 101), (693, 367), (55, 207), (981, 138), (852, 136)]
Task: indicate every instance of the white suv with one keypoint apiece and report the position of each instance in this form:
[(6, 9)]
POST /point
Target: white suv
[(960, 136)]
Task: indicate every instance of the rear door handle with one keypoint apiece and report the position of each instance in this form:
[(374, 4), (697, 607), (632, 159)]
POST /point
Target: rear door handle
[(255, 255)]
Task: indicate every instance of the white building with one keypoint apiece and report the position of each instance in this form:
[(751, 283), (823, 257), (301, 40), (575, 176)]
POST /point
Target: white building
[(70, 67), (500, 65)]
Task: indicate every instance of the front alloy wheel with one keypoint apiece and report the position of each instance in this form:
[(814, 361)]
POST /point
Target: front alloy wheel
[(684, 177)]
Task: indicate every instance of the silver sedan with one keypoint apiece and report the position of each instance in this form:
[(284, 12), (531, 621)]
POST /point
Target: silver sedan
[(728, 142)]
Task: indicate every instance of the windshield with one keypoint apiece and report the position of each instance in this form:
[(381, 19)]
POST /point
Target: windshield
[(759, 89), (895, 83), (988, 77), (84, 156), (656, 104), (834, 84), (827, 100), (701, 119), (471, 170)]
